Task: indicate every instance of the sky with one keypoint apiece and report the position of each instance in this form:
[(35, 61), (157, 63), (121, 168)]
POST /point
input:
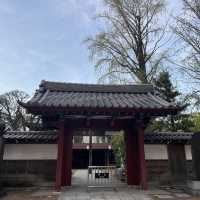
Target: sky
[(43, 40)]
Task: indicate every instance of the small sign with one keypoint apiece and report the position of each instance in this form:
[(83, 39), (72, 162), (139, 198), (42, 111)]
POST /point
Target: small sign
[(102, 175)]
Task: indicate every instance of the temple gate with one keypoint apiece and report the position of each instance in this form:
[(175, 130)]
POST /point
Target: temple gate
[(68, 107)]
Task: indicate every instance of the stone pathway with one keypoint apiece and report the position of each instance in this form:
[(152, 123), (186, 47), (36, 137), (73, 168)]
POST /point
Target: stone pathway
[(79, 177), (80, 191), (102, 194), (125, 193)]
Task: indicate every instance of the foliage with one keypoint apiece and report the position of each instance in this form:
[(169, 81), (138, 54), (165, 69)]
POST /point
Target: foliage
[(118, 146), (13, 115), (168, 92), (196, 122), (182, 122), (132, 44), (165, 87)]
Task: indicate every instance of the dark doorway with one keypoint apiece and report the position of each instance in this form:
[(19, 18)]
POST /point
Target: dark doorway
[(80, 158)]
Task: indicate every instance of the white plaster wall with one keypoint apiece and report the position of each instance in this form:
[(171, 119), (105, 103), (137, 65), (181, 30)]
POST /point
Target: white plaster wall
[(49, 151), (30, 152), (188, 152), (155, 152)]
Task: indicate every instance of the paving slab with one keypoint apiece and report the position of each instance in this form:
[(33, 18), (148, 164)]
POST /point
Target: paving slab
[(43, 193), (182, 195), (105, 195), (157, 191), (80, 191), (164, 196)]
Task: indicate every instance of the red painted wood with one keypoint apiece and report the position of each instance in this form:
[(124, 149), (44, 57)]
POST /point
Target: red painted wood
[(60, 147), (64, 158), (142, 162), (68, 158), (132, 166)]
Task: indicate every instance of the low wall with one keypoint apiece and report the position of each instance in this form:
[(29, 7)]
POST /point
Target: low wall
[(158, 171), (27, 172), (37, 172), (34, 164)]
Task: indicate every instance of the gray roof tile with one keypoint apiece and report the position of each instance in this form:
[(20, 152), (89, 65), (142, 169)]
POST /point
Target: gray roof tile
[(68, 95), (51, 137)]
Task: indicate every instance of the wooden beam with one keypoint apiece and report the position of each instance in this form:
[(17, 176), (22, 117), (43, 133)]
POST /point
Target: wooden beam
[(132, 165), (60, 152), (141, 154), (64, 156), (68, 156)]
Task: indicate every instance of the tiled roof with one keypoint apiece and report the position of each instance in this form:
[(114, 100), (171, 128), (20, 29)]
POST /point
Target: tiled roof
[(119, 97), (30, 136), (51, 137), (168, 137), (97, 88)]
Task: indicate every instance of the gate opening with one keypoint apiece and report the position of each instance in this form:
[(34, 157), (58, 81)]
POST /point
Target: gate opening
[(93, 160)]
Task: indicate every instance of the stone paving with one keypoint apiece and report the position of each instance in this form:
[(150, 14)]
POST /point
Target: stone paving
[(125, 193), (80, 191), (102, 194)]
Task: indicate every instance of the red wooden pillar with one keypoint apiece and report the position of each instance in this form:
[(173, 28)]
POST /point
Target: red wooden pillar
[(132, 165), (68, 159), (64, 157), (142, 162)]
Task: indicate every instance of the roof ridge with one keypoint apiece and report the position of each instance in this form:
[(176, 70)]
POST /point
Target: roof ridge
[(91, 87), (101, 84)]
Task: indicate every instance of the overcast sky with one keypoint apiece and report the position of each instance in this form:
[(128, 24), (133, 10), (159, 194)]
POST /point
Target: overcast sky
[(43, 39)]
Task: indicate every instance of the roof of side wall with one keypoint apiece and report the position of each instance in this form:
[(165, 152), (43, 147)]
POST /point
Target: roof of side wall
[(45, 137)]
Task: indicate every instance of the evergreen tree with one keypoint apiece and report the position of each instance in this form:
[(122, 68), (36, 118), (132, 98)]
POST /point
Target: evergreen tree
[(165, 87), (170, 93)]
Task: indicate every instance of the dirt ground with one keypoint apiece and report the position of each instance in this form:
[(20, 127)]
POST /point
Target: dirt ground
[(30, 195)]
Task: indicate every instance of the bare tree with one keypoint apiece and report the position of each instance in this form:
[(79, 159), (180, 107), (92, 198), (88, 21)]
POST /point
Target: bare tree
[(13, 115), (188, 30), (133, 42)]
